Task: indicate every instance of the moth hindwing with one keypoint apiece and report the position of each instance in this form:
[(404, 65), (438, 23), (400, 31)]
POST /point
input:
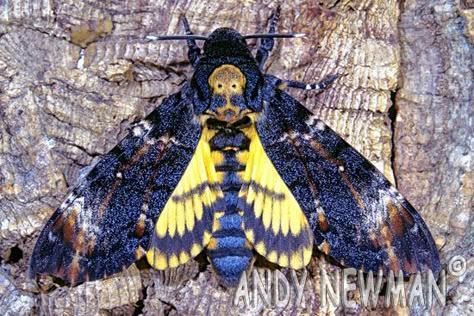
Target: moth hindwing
[(233, 166)]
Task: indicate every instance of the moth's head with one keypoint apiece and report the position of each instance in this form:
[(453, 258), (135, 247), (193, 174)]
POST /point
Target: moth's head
[(227, 81), (226, 42)]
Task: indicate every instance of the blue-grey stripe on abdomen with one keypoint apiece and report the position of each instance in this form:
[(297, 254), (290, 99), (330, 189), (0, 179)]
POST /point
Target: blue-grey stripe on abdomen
[(229, 251)]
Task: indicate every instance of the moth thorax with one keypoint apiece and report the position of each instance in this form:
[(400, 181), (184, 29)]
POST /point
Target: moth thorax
[(227, 83)]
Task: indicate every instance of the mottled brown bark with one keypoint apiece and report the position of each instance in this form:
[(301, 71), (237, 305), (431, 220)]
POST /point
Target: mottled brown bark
[(75, 74), (434, 132)]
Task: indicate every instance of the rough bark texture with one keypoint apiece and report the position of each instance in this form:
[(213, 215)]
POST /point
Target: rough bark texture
[(75, 74), (434, 135)]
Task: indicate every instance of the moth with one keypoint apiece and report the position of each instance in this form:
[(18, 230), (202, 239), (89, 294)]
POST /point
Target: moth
[(232, 166)]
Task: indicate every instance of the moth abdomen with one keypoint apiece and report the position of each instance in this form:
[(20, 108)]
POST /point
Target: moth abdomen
[(228, 249)]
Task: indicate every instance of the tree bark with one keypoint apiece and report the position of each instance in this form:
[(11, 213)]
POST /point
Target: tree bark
[(74, 75)]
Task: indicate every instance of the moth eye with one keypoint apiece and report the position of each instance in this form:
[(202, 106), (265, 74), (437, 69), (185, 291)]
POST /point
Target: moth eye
[(219, 85), (234, 86)]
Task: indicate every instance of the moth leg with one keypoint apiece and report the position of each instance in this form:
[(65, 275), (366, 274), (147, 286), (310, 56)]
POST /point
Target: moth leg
[(194, 51), (320, 86), (266, 44)]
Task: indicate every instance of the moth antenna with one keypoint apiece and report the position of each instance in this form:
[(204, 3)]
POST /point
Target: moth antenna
[(267, 43), (187, 29), (194, 52), (177, 37), (275, 35), (189, 34), (203, 38), (274, 20)]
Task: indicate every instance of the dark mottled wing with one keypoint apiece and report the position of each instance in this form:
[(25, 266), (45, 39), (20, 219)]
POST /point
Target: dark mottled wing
[(107, 221), (356, 215)]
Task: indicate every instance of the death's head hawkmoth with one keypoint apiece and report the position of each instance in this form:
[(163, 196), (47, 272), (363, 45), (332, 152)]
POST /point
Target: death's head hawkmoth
[(232, 165)]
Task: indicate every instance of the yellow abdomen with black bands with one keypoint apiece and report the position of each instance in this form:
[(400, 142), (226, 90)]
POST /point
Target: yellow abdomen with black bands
[(246, 206)]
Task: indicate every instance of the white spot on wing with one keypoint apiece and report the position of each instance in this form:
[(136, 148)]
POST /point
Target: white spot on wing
[(51, 237), (310, 121), (76, 206), (86, 218), (165, 139), (172, 140), (396, 195), (146, 125), (138, 131), (150, 141), (79, 203), (284, 137), (320, 210), (67, 201), (320, 126), (141, 128)]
